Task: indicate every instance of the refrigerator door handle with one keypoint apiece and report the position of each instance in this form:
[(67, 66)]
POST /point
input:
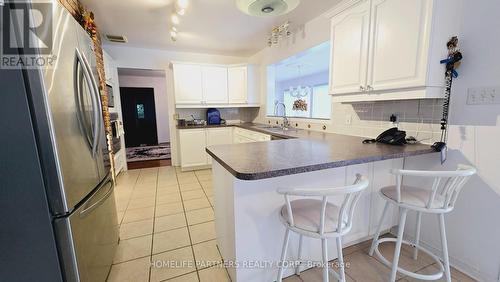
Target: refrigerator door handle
[(78, 92), (95, 103), (98, 114), (90, 208)]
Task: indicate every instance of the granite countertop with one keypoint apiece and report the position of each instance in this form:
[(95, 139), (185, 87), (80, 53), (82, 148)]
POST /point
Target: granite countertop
[(302, 151)]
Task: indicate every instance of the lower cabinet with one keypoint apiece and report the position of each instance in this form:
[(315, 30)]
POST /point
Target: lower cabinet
[(218, 136), (192, 143)]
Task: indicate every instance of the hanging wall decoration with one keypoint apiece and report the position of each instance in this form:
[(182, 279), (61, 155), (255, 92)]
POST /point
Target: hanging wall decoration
[(451, 62)]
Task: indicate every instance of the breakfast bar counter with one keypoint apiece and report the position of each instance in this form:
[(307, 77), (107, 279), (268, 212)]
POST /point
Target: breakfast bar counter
[(246, 176), (303, 151)]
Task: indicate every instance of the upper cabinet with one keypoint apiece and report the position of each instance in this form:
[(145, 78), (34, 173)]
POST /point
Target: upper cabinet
[(390, 49), (203, 86), (214, 84), (237, 84), (349, 35), (188, 84)]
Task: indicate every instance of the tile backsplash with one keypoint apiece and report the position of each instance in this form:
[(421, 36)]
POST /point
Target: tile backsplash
[(229, 114), (419, 118)]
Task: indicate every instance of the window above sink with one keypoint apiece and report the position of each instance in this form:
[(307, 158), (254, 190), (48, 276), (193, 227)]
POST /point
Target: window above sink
[(300, 83)]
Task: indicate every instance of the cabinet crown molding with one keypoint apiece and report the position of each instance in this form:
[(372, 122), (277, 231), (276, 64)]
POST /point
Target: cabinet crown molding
[(340, 7)]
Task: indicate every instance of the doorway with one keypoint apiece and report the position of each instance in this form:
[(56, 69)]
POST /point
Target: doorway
[(139, 116), (145, 117)]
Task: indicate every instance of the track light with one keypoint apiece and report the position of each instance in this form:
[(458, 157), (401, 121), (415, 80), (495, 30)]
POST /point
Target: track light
[(175, 19)]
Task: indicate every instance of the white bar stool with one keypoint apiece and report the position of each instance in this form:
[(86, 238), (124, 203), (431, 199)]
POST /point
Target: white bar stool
[(320, 219), (439, 199)]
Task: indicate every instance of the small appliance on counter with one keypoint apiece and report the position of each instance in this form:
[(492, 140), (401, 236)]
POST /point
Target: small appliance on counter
[(213, 117)]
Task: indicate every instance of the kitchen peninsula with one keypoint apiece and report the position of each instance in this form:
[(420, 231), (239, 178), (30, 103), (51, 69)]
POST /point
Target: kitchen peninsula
[(246, 177)]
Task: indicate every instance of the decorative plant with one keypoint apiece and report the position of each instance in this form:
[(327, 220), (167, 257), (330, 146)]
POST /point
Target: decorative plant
[(300, 105)]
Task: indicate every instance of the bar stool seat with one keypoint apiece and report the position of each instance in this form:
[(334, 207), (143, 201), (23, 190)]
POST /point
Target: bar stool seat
[(306, 215), (413, 196), (319, 219)]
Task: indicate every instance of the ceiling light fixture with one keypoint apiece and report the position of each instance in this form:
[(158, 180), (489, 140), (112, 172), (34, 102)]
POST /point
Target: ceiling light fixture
[(183, 4), (180, 11), (266, 8), (279, 33), (175, 19)]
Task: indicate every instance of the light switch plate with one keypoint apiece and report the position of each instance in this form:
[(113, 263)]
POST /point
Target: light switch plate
[(483, 95)]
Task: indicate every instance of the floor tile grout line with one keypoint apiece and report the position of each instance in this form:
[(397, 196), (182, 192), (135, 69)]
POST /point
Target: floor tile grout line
[(189, 231), (172, 278), (204, 192), (128, 200), (153, 231)]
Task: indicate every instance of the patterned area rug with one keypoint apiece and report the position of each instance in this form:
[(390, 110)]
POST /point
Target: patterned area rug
[(148, 153)]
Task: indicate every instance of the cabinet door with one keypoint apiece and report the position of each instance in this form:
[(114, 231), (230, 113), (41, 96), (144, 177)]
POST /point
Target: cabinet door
[(349, 43), (214, 84), (399, 43), (237, 84), (193, 143), (187, 84), (219, 136)]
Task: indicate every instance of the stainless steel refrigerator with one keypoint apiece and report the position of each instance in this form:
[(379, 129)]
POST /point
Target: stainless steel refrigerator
[(66, 113)]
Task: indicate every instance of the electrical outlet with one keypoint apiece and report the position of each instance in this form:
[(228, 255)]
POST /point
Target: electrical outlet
[(348, 119), (483, 95)]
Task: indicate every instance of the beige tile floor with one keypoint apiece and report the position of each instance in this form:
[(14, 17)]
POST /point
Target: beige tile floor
[(167, 219)]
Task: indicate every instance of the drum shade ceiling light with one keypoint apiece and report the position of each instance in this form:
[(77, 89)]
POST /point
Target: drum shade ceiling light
[(266, 8)]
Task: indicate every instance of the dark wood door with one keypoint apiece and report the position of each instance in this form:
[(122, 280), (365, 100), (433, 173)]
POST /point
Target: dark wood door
[(139, 116)]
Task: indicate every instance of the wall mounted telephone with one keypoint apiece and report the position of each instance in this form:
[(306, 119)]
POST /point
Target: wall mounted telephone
[(392, 136)]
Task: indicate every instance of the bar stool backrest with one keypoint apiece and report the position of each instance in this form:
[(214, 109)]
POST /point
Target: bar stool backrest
[(346, 212), (447, 184)]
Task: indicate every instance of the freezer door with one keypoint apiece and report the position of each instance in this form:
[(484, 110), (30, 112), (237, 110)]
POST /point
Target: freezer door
[(86, 45), (87, 238), (73, 112)]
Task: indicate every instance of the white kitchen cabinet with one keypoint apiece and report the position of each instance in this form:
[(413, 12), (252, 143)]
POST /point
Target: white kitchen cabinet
[(399, 44), (218, 136), (221, 86), (237, 84), (188, 84), (192, 143), (214, 84), (381, 53), (349, 43), (246, 136)]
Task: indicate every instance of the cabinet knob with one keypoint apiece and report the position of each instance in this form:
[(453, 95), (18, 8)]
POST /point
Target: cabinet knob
[(361, 88), (369, 88)]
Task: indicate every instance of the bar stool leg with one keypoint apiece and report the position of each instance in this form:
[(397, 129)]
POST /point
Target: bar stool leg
[(299, 256), (417, 235), (397, 249), (340, 259), (324, 248), (444, 243), (379, 229), (283, 255)]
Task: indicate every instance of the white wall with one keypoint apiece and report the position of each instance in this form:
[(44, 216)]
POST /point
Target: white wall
[(142, 58), (474, 226), (161, 103)]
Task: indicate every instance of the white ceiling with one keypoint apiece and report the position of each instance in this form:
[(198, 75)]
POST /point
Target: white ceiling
[(209, 26), (311, 61)]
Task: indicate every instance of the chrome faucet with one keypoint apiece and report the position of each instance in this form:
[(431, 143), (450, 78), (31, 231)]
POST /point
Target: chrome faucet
[(286, 123)]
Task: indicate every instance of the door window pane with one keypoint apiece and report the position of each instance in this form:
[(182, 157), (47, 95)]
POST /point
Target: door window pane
[(140, 111)]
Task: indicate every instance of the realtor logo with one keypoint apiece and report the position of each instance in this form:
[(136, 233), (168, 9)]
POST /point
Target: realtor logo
[(26, 34)]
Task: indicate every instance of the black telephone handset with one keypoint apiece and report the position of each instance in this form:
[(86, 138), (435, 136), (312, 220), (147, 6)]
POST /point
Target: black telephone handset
[(392, 136)]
